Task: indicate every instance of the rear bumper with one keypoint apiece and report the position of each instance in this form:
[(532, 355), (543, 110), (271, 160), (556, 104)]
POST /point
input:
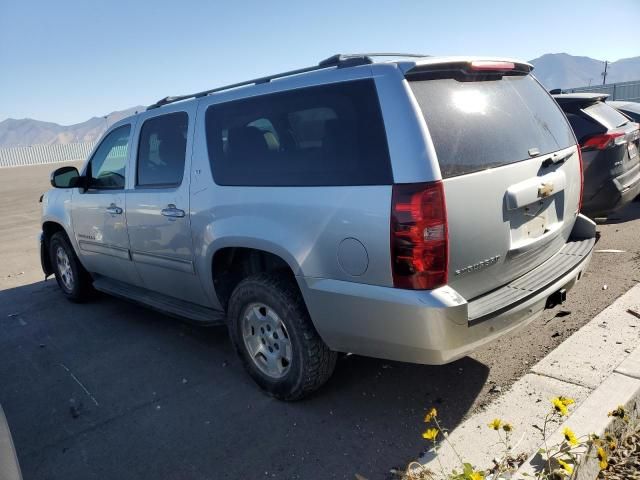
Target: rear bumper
[(438, 326), (614, 194)]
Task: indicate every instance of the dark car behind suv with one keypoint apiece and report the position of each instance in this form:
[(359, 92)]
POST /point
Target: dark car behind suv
[(609, 142), (630, 109)]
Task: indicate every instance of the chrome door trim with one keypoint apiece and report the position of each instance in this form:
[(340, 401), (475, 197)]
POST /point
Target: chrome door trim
[(172, 263), (105, 249)]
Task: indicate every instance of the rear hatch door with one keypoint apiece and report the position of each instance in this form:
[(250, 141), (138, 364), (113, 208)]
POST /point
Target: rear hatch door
[(510, 168)]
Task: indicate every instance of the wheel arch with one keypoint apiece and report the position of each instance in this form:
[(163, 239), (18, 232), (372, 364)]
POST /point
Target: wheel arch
[(231, 264)]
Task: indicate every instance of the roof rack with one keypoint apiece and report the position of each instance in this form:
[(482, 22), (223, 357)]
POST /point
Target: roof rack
[(339, 60)]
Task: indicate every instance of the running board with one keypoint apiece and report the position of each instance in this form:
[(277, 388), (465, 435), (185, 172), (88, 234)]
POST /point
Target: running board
[(162, 303)]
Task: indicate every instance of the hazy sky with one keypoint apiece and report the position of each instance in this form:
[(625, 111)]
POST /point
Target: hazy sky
[(65, 61)]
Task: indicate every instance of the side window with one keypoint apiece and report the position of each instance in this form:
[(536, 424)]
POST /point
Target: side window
[(107, 166), (162, 150), (328, 135), (583, 126)]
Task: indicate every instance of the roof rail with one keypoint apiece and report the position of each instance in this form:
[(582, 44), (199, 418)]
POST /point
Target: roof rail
[(339, 60)]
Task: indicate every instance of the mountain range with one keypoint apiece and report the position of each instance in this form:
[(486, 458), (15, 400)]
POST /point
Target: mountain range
[(554, 70), (26, 131)]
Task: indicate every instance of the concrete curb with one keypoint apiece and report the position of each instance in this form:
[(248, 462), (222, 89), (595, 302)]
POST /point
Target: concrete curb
[(598, 366)]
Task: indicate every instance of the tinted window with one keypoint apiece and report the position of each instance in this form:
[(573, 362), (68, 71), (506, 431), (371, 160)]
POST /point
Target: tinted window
[(326, 135), (477, 125), (107, 166), (584, 126), (162, 149), (606, 115)]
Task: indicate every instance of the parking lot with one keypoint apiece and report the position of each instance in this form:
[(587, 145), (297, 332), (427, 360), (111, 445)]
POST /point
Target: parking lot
[(108, 389)]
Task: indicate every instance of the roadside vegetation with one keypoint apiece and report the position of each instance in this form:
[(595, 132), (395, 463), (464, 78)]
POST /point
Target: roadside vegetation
[(559, 461)]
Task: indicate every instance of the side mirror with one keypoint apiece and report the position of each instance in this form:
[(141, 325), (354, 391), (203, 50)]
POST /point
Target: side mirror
[(65, 177)]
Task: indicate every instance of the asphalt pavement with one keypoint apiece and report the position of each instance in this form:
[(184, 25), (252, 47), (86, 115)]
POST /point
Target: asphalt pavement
[(108, 389)]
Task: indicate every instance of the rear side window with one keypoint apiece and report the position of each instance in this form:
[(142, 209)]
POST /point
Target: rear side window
[(584, 126), (317, 136), (606, 115), (477, 125), (162, 149)]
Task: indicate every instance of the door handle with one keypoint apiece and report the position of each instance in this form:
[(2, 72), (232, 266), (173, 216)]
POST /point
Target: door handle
[(114, 210), (172, 211)]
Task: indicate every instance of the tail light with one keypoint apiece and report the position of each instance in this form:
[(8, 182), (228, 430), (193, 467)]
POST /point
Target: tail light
[(419, 236), (600, 142), (581, 178)]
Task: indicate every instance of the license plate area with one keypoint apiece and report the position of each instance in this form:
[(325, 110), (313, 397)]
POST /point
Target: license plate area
[(533, 222), (632, 148)]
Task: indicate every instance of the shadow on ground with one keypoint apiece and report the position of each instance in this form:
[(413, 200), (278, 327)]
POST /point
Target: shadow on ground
[(108, 389)]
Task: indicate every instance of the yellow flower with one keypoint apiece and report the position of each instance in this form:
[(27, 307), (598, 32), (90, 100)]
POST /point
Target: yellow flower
[(566, 400), (613, 445), (566, 467), (619, 413), (507, 427), (476, 476), (559, 406), (496, 424), (430, 434), (602, 458), (431, 414), (569, 436)]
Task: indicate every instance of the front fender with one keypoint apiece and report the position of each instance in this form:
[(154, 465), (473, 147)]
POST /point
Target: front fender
[(56, 208)]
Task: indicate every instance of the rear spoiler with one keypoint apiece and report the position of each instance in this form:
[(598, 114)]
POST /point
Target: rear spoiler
[(578, 99), (468, 69)]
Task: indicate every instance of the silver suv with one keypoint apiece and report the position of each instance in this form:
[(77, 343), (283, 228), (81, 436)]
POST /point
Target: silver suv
[(412, 209)]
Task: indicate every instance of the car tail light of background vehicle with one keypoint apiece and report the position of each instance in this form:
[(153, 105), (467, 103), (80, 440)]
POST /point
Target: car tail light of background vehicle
[(605, 140), (419, 236)]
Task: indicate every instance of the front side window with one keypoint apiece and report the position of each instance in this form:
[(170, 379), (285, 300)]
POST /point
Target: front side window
[(317, 136), (107, 166), (162, 149)]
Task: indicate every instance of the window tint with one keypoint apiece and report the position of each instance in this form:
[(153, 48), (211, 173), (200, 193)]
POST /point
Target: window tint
[(326, 135), (477, 125), (584, 126), (162, 149), (606, 115), (107, 166)]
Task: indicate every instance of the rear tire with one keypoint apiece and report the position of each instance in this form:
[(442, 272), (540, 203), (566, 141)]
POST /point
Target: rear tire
[(271, 329), (74, 281)]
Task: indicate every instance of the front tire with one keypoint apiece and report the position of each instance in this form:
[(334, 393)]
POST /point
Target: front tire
[(72, 278), (271, 329)]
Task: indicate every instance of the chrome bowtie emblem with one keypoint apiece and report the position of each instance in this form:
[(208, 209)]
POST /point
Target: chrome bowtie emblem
[(545, 189)]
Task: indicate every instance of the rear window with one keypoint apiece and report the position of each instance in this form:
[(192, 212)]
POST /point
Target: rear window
[(477, 125), (317, 136), (606, 115)]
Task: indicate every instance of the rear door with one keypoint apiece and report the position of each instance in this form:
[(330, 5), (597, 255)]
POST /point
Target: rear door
[(158, 216), (510, 169)]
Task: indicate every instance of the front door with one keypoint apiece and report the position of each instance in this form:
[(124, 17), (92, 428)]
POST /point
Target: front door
[(158, 204), (98, 213)]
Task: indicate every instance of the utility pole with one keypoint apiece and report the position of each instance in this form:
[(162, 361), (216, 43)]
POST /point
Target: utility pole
[(604, 74)]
